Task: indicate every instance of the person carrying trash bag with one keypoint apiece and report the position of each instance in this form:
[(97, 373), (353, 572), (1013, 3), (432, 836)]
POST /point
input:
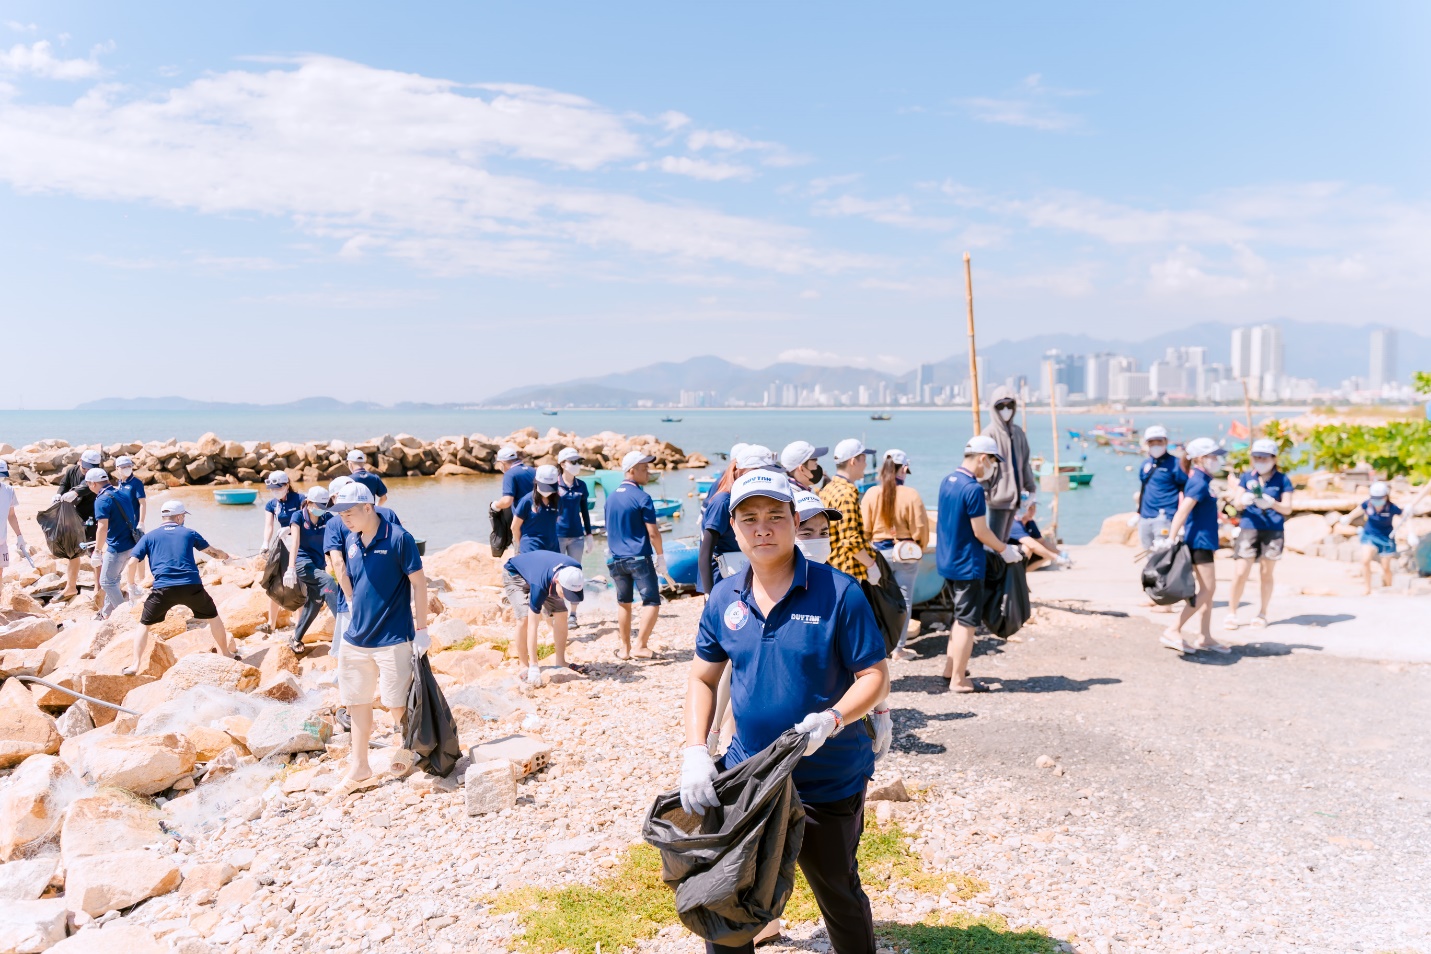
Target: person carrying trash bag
[(804, 651)]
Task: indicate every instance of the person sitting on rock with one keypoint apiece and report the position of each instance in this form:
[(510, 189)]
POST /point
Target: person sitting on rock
[(169, 548), (1039, 551), (358, 467), (542, 583)]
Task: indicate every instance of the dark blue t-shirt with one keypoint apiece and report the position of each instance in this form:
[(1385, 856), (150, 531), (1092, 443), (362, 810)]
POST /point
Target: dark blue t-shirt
[(135, 488), (1275, 485), (573, 517), (169, 549), (799, 660), (1021, 529), (283, 508), (312, 533), (382, 594), (539, 525), (122, 512), (373, 482), (1201, 525), (1381, 522), (958, 553), (518, 481), (628, 510), (715, 515), (538, 568), (1163, 482)]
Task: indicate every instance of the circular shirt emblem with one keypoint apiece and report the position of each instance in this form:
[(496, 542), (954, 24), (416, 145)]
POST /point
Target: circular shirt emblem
[(735, 615)]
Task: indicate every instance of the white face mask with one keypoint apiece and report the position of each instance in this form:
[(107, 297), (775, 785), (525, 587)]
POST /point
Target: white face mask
[(1378, 503), (124, 472), (1006, 413), (571, 468), (816, 549), (1157, 450), (1263, 466), (1213, 465)]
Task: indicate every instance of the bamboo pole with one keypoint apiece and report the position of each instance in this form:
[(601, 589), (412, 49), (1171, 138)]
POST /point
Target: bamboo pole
[(973, 357), (1053, 418), (1247, 409)]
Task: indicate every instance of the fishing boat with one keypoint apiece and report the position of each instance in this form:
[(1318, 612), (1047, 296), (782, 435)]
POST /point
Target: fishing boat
[(1122, 432), (609, 480), (236, 496), (671, 420), (666, 506), (549, 414), (1077, 474), (881, 417), (704, 485)]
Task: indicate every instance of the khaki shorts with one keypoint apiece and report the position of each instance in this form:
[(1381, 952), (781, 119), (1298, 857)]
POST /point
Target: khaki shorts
[(368, 675)]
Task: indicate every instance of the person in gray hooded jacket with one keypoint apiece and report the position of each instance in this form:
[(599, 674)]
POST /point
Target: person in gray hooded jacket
[(1013, 477)]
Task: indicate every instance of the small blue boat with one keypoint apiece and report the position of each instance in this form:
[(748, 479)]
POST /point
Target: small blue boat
[(236, 497), (681, 557), (666, 506), (704, 485)]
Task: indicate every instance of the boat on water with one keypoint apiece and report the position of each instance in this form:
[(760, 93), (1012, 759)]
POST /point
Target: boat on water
[(235, 496), (549, 414), (704, 485), (1122, 432), (608, 480), (881, 417), (671, 420), (1077, 474)]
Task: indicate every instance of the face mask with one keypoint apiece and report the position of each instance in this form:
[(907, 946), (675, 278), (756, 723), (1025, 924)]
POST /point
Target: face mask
[(1213, 465), (816, 550), (571, 469), (1157, 450), (1378, 503), (1263, 466), (316, 511), (817, 473), (1006, 413), (124, 472)]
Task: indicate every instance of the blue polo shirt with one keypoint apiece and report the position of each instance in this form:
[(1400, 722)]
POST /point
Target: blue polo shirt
[(518, 481), (1201, 526), (312, 534), (628, 510), (1380, 522), (1275, 485), (799, 660), (335, 534), (382, 595), (573, 515), (715, 515), (373, 482), (283, 508), (538, 568), (958, 553), (1163, 482), (135, 488), (1024, 529), (169, 548), (122, 512), (539, 525)]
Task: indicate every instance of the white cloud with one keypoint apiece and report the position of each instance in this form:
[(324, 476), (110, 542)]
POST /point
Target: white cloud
[(825, 183), (19, 27), (673, 120), (723, 140), (701, 169), (381, 162), (39, 60), (1031, 106), (896, 211), (810, 294)]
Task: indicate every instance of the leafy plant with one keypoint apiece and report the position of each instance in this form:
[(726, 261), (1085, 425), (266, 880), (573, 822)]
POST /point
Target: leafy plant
[(1289, 458), (1393, 449), (1421, 381)]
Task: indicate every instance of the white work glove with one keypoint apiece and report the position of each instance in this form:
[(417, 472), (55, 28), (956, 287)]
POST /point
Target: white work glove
[(1248, 499), (884, 731), (1133, 520), (1411, 541), (661, 568), (1162, 543), (1012, 553), (70, 496), (54, 500), (290, 576), (819, 726), (874, 574), (25, 550), (698, 774), (421, 642)]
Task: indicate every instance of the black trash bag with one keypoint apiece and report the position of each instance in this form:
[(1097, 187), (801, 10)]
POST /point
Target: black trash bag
[(1168, 575), (733, 869), (501, 537), (1006, 596), (428, 729), (887, 601), (63, 528), (275, 564)]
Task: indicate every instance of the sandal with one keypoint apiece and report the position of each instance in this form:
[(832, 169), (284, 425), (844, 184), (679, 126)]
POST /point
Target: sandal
[(1222, 649), (579, 669), (1232, 622), (1258, 622), (621, 654), (1176, 645), (977, 687), (350, 786)]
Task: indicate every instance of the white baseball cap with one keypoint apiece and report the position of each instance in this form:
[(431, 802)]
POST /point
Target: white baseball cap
[(337, 484), (980, 444), (900, 458), (1265, 446), (357, 457), (571, 580), (633, 458), (755, 457), (737, 449), (569, 454), (508, 452), (124, 461), (547, 476), (1379, 489), (352, 495), (848, 449), (172, 508), (96, 475), (91, 457), (1156, 432), (761, 483), (808, 503), (1204, 447), (318, 494), (276, 478), (798, 452)]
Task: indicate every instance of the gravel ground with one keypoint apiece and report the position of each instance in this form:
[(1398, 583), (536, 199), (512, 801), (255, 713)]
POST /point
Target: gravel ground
[(1268, 801)]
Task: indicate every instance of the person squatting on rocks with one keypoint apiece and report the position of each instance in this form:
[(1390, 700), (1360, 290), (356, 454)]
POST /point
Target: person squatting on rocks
[(308, 532), (9, 520), (573, 513), (850, 550), (898, 526), (1378, 533), (278, 512), (804, 650), (637, 555), (1198, 514), (386, 590), (542, 583), (116, 533), (1161, 480), (963, 534), (74, 488), (1007, 483), (1264, 504), (170, 548)]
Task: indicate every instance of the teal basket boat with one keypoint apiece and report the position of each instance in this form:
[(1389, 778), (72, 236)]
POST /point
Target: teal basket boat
[(235, 497)]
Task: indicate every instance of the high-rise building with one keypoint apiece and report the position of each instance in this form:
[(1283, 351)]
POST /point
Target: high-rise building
[(1128, 385), (1241, 352), (1095, 375), (1383, 357), (1266, 351)]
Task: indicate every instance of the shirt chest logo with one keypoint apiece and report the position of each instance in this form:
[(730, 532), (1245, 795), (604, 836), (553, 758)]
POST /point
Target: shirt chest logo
[(737, 615), (805, 618), (353, 551)]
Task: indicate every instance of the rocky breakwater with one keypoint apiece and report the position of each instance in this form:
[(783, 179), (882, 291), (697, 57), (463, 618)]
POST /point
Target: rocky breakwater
[(213, 460)]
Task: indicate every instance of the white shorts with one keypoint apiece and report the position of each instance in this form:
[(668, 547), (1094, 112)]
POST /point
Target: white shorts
[(368, 675), (4, 554)]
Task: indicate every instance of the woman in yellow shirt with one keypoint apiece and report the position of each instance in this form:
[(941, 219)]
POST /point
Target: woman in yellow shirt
[(898, 526)]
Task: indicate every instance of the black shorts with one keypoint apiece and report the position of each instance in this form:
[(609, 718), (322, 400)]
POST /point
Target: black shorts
[(192, 595), (968, 599), (1202, 556)]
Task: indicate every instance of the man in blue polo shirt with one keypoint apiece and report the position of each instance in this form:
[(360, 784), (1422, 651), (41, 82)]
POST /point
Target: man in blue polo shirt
[(358, 467), (116, 533), (632, 536), (804, 651), (542, 583), (1161, 482), (335, 542), (387, 596), (963, 534), (518, 479), (125, 480), (170, 548)]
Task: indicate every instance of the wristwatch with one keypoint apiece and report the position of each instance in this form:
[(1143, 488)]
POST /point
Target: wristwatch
[(839, 719)]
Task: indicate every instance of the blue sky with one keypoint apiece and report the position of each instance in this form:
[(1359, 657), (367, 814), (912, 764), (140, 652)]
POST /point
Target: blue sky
[(441, 202)]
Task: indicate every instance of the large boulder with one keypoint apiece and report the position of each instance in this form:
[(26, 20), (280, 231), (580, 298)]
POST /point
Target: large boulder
[(465, 665), (196, 669), (26, 731), (1304, 531), (108, 820), (118, 879), (466, 565), (245, 611), (119, 937), (32, 802), (27, 880), (28, 662), (1117, 531), (27, 632), (143, 764), (27, 927), (287, 729)]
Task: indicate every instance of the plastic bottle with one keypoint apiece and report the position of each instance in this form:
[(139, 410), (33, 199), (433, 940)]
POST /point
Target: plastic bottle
[(1161, 524)]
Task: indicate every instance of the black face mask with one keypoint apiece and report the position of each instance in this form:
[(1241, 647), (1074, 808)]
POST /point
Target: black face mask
[(816, 474)]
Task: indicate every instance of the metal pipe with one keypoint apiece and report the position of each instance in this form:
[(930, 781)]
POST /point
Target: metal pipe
[(77, 695)]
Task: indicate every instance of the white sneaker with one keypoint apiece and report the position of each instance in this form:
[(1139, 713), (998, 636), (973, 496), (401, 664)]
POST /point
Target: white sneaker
[(534, 675)]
